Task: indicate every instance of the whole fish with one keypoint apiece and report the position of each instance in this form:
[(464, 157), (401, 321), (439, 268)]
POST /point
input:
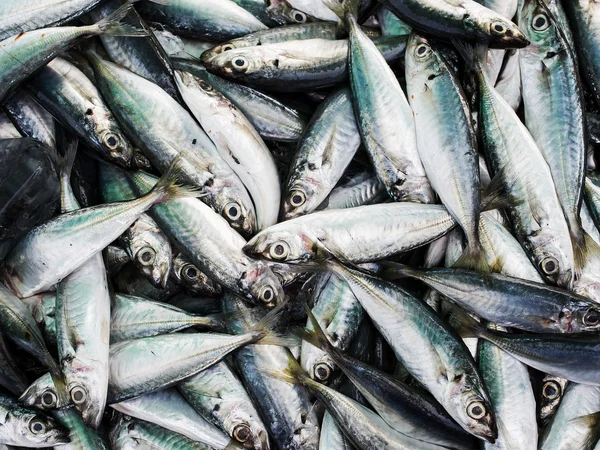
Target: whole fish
[(213, 19), (446, 139), (73, 99), (466, 20), (165, 131), (237, 142), (328, 145), (219, 396), (53, 250), (295, 65), (554, 110), (24, 53)]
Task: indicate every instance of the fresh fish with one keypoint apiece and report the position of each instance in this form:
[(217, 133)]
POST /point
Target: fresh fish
[(169, 410), (192, 278), (178, 47), (237, 142), (80, 436), (361, 234), (164, 131), (466, 20), (259, 9), (390, 24), (332, 436), (211, 245), (324, 152), (32, 120), (551, 395), (508, 83), (446, 139), (42, 394), (212, 19), (316, 8), (135, 318), (220, 397), (272, 119), (362, 189), (73, 99), (295, 65), (24, 53), (53, 250), (554, 111)]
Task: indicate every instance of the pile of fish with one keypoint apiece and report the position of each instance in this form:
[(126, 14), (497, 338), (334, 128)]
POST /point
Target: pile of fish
[(300, 224)]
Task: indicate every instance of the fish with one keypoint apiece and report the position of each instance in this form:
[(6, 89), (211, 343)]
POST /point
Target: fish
[(80, 436), (31, 119), (552, 393), (193, 279)]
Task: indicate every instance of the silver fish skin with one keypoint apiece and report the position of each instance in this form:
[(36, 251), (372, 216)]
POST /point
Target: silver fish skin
[(386, 121), (506, 8), (390, 24), (53, 250), (82, 320), (18, 16), (509, 385), (218, 252), (363, 189), (29, 428), (339, 313), (508, 83), (407, 325), (178, 47), (24, 53), (127, 433), (315, 8), (7, 129), (220, 397), (31, 119), (115, 259), (536, 216), (554, 110), (42, 307), (165, 131), (135, 317), (145, 365), (74, 100), (169, 410), (551, 395), (210, 19), (131, 281), (574, 426), (237, 142), (81, 437), (466, 20), (361, 234), (445, 137), (328, 145), (271, 118), (42, 394), (332, 436), (286, 410), (588, 281)]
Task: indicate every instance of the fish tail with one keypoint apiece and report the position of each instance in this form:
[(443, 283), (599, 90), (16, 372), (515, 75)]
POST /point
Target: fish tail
[(464, 324), (344, 9), (585, 248), (293, 374), (111, 25), (265, 329), (316, 336), (168, 187), (473, 257), (65, 161), (394, 271)]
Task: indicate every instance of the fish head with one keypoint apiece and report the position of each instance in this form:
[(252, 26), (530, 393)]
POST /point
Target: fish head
[(263, 285), (240, 63), (247, 430), (553, 257), (41, 394), (500, 31), (116, 147), (192, 278), (551, 394), (318, 364), (539, 25), (151, 253), (140, 162), (422, 61), (301, 198), (285, 243), (33, 429), (222, 48), (580, 316), (415, 189), (237, 210), (88, 390), (471, 407)]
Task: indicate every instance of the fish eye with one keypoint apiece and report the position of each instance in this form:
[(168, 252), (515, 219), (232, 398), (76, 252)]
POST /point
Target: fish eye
[(476, 410), (240, 63), (227, 47), (422, 50), (551, 390), (190, 272), (146, 256), (322, 372), (36, 426), (78, 395), (498, 28), (297, 199), (549, 265), (111, 141), (540, 22), (205, 86), (241, 433), (591, 317), (298, 16), (267, 294), (232, 211), (49, 399), (279, 250)]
